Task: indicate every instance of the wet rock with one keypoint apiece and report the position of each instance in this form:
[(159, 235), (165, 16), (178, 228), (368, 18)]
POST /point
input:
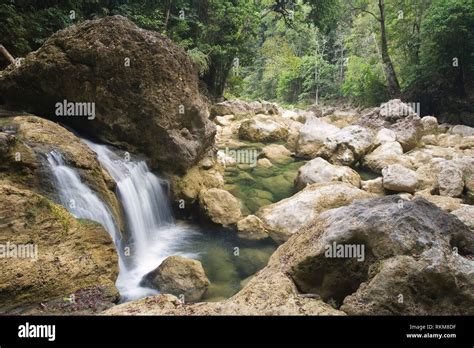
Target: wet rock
[(319, 170), (251, 228), (180, 276), (160, 113), (408, 250), (67, 256), (23, 163), (276, 153), (219, 206), (264, 163)]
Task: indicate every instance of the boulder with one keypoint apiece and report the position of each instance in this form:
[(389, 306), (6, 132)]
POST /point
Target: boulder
[(409, 131), (374, 186), (263, 128), (390, 247), (394, 110), (384, 136), (187, 187), (276, 153), (285, 217), (398, 117), (51, 255), (450, 179), (159, 112), (466, 214), (264, 163), (231, 107), (462, 130), (398, 178), (219, 206), (429, 124), (386, 154), (347, 146), (319, 170), (240, 108), (251, 228), (181, 277), (312, 136)]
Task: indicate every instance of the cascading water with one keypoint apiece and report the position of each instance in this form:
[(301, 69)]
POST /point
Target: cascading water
[(153, 231), (78, 198), (152, 234)]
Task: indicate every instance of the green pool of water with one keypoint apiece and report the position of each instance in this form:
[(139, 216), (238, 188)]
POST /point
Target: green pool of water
[(227, 260)]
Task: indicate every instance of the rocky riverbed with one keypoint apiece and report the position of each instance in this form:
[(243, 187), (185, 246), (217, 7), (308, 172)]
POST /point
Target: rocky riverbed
[(324, 211)]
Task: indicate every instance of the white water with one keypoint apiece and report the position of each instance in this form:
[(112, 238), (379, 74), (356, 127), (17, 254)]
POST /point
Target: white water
[(78, 198), (150, 223)]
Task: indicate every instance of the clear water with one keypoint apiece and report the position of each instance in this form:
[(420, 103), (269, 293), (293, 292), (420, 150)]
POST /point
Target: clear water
[(257, 186), (154, 234)]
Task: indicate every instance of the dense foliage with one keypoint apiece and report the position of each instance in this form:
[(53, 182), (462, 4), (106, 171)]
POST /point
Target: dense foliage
[(294, 52)]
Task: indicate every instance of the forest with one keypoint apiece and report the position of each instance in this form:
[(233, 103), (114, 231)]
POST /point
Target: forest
[(296, 53)]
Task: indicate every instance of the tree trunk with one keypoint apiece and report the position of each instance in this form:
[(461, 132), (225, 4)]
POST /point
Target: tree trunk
[(7, 55), (391, 76)]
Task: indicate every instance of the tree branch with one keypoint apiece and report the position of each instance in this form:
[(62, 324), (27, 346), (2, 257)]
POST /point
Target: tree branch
[(366, 11)]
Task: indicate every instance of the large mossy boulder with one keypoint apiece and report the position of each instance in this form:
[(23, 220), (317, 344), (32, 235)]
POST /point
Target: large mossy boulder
[(48, 255), (145, 89)]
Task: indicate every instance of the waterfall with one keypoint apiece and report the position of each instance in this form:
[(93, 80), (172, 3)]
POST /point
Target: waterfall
[(153, 233), (78, 198)]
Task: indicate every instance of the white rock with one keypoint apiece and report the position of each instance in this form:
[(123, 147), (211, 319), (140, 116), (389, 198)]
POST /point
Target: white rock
[(285, 217), (398, 178), (319, 170)]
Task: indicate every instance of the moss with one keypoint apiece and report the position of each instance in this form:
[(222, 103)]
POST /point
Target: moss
[(62, 216)]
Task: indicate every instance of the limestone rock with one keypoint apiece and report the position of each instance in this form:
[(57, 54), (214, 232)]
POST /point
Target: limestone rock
[(386, 154), (180, 276), (276, 153), (312, 136), (450, 179), (373, 186), (285, 217), (263, 128), (347, 146), (252, 228), (398, 178), (430, 124), (319, 170), (466, 214), (71, 255), (160, 113), (219, 206)]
